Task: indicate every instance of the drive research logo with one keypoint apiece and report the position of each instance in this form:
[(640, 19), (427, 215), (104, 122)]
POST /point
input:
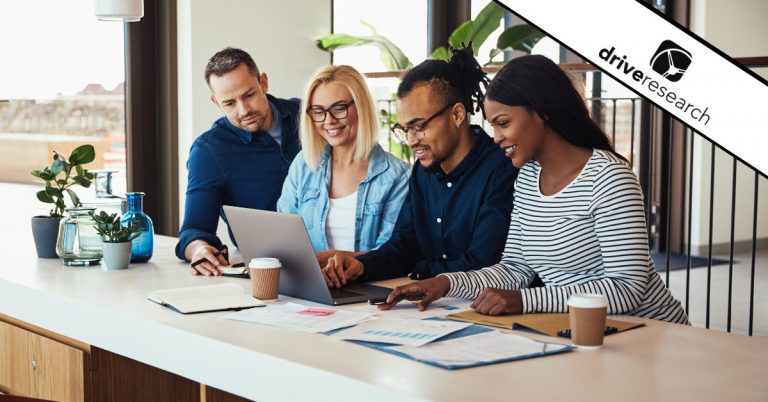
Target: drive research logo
[(671, 60)]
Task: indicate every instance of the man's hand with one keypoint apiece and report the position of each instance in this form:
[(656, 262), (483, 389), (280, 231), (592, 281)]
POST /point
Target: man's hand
[(342, 268), (433, 288), (200, 249), (497, 301), (324, 256)]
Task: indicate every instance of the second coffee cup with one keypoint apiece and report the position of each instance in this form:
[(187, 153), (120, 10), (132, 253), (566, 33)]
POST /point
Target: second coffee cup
[(265, 278), (587, 313)]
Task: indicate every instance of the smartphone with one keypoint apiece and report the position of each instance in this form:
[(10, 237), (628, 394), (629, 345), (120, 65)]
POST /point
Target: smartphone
[(238, 270), (404, 296), (566, 333)]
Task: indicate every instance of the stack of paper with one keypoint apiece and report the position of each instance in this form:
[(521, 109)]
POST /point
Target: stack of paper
[(407, 309), (400, 331), (301, 318), (485, 348)]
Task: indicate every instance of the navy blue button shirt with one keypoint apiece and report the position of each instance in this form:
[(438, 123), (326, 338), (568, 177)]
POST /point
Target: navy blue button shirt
[(230, 166), (450, 222)]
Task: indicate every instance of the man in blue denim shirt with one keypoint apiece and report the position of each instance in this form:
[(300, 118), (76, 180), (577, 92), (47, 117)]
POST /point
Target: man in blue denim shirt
[(456, 215), (242, 160)]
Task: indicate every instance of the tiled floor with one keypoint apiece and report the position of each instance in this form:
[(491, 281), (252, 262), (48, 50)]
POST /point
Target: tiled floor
[(719, 293), (19, 204)]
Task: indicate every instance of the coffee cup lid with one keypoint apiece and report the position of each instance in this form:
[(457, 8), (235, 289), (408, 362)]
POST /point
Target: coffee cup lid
[(264, 263), (588, 300)]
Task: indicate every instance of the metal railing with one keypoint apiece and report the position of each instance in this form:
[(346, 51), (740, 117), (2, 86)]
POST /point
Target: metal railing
[(659, 201)]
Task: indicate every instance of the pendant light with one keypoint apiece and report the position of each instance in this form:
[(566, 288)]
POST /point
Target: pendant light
[(119, 10)]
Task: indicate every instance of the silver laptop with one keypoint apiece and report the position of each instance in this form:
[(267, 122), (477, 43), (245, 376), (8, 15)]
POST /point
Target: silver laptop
[(283, 236)]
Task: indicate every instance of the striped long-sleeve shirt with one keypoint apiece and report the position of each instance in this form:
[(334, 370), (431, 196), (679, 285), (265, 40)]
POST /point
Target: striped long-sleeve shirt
[(590, 237)]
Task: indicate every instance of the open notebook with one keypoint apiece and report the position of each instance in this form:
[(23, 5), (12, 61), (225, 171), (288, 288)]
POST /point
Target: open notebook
[(225, 296)]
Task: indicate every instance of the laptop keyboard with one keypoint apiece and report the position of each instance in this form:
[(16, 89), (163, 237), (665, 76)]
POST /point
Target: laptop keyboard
[(341, 293)]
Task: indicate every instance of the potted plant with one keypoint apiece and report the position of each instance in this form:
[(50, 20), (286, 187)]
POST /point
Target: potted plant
[(62, 174), (116, 240)]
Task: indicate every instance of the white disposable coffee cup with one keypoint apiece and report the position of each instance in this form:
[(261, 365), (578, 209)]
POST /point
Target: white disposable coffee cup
[(265, 278), (587, 313)]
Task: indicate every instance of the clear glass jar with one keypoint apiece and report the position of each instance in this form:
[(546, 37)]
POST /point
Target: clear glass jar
[(105, 200), (78, 243), (102, 183)]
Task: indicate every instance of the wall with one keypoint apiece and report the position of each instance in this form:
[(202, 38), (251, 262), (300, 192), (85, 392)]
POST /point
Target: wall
[(278, 34), (721, 221), (736, 27)]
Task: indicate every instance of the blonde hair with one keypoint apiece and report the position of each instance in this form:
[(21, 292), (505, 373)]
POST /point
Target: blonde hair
[(312, 142)]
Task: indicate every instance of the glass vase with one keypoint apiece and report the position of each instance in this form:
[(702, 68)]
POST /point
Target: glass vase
[(142, 247), (78, 243)]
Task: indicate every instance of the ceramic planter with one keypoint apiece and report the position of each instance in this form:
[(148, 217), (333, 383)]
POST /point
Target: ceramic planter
[(116, 255), (45, 230)]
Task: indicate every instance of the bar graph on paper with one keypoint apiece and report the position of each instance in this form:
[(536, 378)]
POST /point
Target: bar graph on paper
[(414, 335), (400, 331)]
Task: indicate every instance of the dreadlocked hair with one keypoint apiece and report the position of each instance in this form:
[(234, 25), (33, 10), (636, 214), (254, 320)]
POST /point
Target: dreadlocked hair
[(460, 79)]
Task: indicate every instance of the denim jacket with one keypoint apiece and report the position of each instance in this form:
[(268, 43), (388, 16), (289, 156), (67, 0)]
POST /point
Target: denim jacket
[(379, 197)]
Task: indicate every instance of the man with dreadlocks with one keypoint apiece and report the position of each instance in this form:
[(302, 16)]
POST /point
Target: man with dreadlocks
[(457, 212)]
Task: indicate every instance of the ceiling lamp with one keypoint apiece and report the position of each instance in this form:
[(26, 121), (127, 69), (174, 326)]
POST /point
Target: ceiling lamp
[(120, 10)]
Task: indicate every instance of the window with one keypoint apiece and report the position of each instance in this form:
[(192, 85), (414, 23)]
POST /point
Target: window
[(388, 19), (63, 78)]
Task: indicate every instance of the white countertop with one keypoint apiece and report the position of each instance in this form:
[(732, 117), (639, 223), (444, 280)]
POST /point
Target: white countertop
[(109, 310)]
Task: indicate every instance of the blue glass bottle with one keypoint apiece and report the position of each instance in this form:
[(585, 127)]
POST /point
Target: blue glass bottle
[(142, 247)]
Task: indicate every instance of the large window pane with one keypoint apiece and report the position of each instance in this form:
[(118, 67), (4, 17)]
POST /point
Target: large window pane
[(62, 86), (401, 21)]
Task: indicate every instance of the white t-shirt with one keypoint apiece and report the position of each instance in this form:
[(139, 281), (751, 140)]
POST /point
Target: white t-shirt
[(340, 223)]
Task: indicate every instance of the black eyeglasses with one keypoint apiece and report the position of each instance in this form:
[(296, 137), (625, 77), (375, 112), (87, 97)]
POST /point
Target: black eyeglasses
[(338, 111), (417, 131)]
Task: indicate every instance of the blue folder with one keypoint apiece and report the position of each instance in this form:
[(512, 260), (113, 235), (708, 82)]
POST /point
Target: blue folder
[(471, 330)]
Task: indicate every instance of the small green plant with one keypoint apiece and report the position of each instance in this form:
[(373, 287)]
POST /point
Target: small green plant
[(111, 231), (59, 178)]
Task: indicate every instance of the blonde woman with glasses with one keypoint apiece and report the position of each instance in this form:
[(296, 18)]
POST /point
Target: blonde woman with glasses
[(345, 186)]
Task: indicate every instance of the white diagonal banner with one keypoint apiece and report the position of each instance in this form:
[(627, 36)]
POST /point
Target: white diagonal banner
[(664, 64)]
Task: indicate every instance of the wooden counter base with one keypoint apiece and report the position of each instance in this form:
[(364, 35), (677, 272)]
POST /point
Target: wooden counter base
[(40, 364)]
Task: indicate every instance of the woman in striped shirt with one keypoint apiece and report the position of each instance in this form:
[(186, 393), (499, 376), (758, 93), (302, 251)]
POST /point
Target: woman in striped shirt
[(578, 220)]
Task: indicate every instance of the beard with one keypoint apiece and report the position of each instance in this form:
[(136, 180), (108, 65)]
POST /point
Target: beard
[(256, 125)]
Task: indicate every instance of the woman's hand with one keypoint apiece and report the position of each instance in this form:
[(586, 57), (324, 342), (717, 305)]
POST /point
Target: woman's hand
[(493, 301), (433, 289), (342, 268)]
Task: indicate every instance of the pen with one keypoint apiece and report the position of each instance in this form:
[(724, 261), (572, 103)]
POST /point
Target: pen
[(202, 260), (223, 250)]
